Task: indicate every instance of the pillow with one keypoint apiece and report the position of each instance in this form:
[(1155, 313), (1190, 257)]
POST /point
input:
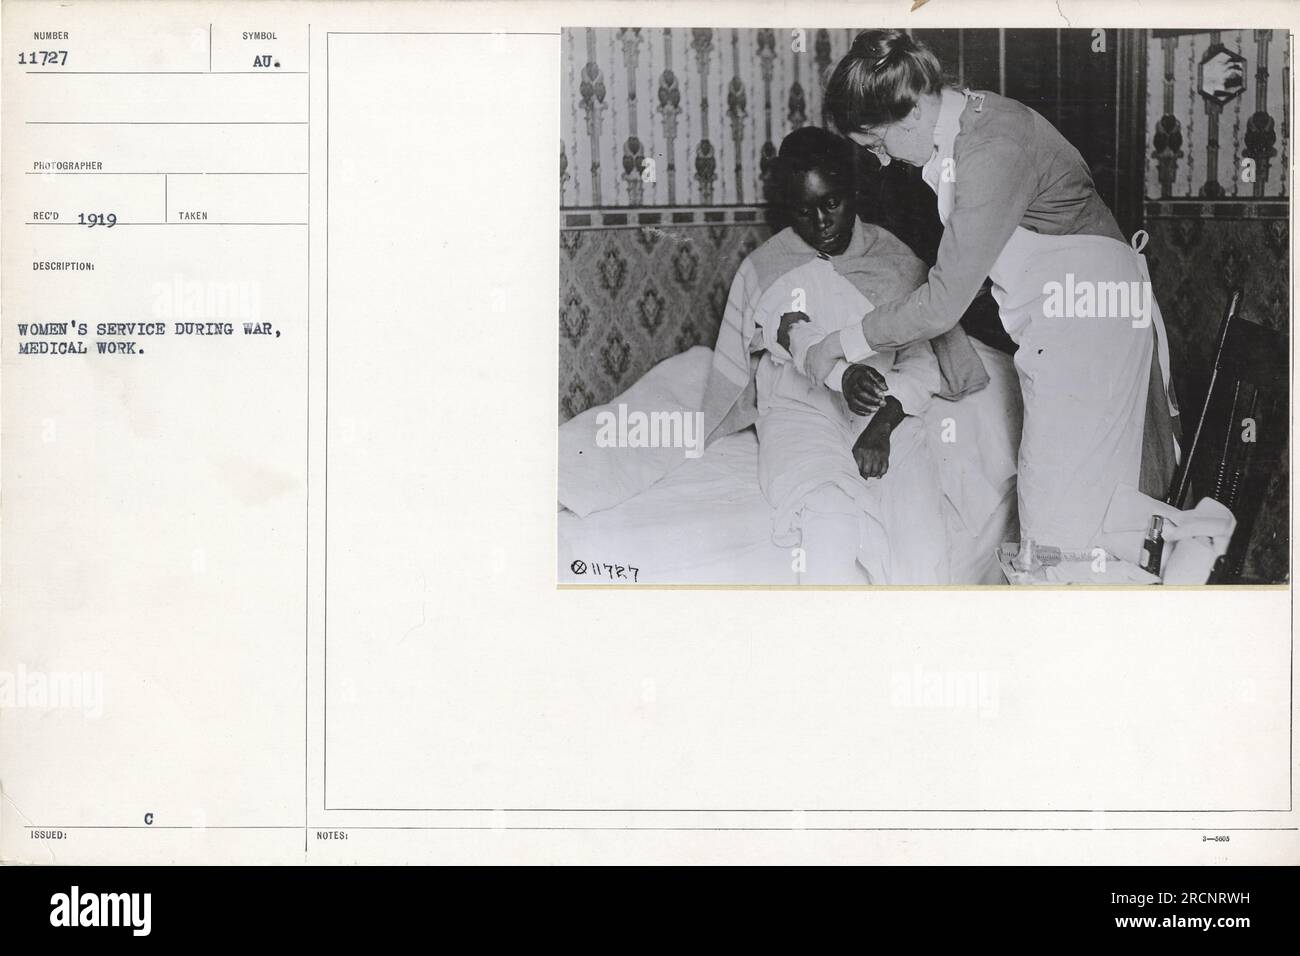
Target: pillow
[(598, 469)]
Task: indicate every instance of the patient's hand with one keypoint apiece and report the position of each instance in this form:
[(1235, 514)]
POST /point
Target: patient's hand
[(783, 331), (871, 452), (864, 389)]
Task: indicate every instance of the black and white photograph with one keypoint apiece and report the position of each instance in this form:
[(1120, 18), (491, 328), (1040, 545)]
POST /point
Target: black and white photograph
[(916, 491), (945, 307)]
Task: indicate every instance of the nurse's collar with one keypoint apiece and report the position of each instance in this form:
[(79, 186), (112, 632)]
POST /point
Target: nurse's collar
[(951, 104)]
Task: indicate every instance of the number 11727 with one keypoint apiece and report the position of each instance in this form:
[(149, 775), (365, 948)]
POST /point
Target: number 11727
[(43, 58)]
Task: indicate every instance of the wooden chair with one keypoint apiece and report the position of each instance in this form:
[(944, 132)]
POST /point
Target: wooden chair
[(1241, 430)]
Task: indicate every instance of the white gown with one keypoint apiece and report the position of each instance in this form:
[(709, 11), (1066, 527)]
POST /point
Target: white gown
[(1083, 380), (887, 530)]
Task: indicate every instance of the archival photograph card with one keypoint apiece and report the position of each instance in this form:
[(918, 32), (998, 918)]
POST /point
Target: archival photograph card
[(610, 433)]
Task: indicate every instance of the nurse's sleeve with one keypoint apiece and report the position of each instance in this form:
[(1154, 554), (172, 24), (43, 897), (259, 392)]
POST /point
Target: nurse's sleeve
[(914, 380), (995, 183)]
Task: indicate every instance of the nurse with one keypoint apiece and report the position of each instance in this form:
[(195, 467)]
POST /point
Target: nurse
[(1018, 205)]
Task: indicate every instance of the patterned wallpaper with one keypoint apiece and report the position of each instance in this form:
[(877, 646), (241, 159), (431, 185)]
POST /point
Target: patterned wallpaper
[(630, 298), (1195, 264), (1211, 232), (1194, 145), (708, 106)]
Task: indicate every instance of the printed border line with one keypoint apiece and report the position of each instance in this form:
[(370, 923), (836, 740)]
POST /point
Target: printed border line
[(769, 810), (325, 689), (162, 826), (306, 562), (165, 172), (325, 597), (52, 72), (443, 33), (166, 122), (626, 829), (877, 588), (178, 223)]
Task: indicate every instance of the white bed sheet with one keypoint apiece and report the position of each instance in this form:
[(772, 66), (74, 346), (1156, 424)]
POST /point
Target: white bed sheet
[(707, 522)]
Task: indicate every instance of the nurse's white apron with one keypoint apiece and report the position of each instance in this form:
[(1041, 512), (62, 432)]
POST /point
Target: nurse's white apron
[(1083, 378)]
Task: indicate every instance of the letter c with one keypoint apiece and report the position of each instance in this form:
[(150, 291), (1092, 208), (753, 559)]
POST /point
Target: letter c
[(148, 819)]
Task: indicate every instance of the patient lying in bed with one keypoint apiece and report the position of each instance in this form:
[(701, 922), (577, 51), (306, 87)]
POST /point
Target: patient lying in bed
[(846, 463)]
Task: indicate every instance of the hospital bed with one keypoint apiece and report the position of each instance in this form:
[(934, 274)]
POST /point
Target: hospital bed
[(704, 521)]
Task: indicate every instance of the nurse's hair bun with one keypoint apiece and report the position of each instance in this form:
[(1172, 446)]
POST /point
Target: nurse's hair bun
[(880, 80)]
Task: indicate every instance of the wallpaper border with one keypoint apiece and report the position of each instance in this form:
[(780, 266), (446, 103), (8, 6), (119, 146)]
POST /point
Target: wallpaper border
[(632, 217), (1279, 208)]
